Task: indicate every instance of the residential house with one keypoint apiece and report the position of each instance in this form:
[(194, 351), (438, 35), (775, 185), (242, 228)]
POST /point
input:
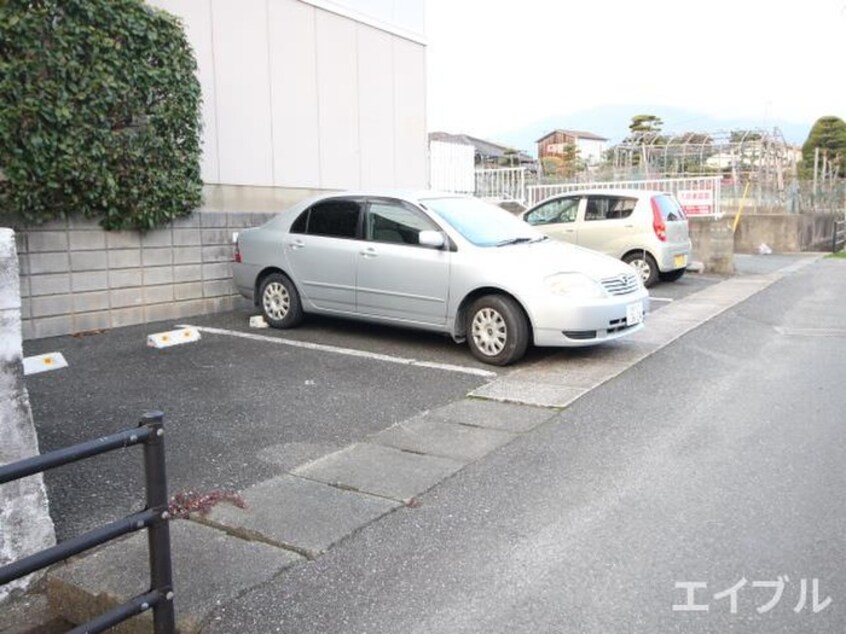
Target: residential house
[(590, 147), (487, 153)]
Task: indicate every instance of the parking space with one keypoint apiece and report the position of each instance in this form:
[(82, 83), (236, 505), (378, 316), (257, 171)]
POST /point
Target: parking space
[(664, 293), (348, 336), (237, 410), (245, 404)]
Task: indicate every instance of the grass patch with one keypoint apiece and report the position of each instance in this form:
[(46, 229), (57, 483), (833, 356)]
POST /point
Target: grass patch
[(840, 255)]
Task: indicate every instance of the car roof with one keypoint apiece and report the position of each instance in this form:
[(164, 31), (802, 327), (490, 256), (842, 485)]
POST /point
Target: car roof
[(634, 193), (410, 195)]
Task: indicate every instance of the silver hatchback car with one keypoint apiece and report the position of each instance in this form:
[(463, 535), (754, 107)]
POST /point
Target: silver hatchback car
[(646, 229), (439, 262)]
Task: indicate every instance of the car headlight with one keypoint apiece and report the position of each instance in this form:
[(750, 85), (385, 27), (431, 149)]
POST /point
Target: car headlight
[(574, 285)]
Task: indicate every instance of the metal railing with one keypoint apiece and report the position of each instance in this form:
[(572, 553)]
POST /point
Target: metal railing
[(154, 518), (711, 184), (839, 240), (506, 183)]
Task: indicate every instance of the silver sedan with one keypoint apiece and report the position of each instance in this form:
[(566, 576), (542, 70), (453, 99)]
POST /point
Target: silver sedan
[(440, 262)]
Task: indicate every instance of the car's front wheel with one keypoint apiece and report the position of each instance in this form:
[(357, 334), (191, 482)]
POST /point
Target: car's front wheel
[(644, 265), (280, 301), (497, 330)]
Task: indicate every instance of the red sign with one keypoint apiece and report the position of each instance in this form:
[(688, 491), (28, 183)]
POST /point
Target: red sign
[(696, 202)]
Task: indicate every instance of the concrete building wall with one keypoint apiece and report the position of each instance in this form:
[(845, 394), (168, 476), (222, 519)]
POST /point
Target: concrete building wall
[(25, 524), (308, 95)]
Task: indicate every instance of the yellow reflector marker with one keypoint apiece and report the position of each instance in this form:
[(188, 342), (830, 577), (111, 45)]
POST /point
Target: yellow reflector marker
[(44, 362), (173, 337)]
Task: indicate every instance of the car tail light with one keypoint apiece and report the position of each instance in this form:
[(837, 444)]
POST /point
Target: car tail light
[(658, 225)]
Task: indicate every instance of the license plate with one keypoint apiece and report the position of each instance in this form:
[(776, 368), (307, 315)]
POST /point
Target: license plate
[(679, 261), (634, 314)]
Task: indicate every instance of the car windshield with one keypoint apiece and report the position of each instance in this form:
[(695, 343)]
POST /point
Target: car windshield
[(482, 223)]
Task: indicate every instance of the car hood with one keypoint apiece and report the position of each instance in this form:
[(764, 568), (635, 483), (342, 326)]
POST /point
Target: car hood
[(551, 256)]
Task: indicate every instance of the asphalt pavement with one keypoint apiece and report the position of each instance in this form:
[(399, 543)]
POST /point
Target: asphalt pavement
[(241, 409), (238, 410), (713, 469)]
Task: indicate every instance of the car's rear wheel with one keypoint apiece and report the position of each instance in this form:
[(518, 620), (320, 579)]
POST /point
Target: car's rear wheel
[(671, 276), (645, 266), (497, 330), (280, 301)]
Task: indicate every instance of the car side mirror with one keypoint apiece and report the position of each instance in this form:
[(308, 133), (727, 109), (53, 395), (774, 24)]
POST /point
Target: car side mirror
[(434, 239)]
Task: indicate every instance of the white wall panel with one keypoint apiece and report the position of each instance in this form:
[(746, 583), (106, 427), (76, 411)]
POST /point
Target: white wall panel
[(311, 93), (243, 92), (405, 18), (452, 167), (196, 16), (410, 104), (376, 107), (293, 88), (337, 85)]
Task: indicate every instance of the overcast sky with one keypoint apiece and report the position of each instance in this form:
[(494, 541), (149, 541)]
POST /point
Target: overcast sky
[(494, 66)]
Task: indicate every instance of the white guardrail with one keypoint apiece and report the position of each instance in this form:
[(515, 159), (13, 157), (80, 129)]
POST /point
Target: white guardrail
[(699, 196)]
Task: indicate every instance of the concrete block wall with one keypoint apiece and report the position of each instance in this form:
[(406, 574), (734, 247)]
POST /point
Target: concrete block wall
[(784, 233), (75, 277)]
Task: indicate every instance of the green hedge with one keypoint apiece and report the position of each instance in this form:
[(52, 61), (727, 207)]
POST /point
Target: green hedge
[(99, 113)]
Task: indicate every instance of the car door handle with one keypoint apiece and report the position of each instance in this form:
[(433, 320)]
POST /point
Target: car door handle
[(369, 252), (296, 244)]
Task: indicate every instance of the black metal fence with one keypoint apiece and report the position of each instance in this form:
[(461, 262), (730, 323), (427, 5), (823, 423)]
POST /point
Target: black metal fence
[(154, 518), (839, 240)]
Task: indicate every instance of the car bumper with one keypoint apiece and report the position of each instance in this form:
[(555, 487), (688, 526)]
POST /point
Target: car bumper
[(565, 324), (674, 257), (244, 277)]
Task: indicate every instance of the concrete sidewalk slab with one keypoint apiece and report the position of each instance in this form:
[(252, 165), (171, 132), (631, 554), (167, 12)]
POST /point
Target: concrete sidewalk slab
[(693, 311), (493, 415), (379, 470), (424, 434), (210, 568), (290, 455), (302, 515), (515, 390), (564, 374)]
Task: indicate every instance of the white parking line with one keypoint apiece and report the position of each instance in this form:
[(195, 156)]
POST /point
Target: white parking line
[(345, 351), (661, 299)]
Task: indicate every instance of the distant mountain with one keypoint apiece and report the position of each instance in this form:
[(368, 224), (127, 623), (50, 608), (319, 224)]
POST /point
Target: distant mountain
[(612, 122)]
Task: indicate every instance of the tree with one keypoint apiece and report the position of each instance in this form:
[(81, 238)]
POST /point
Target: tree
[(645, 123), (99, 113), (551, 165), (829, 135), (743, 136), (570, 159), (564, 164)]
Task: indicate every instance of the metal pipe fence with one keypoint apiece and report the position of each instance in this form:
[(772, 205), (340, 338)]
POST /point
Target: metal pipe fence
[(711, 184), (149, 433), (839, 240)]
